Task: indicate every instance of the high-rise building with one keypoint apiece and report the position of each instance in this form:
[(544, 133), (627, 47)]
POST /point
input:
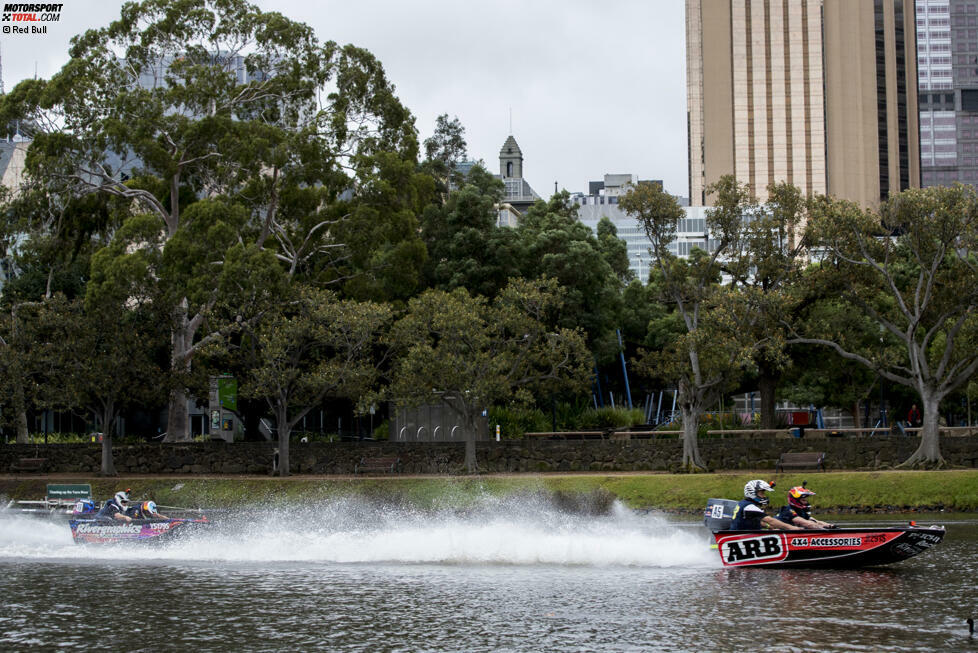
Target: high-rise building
[(947, 56), (819, 93), (601, 201), (938, 117)]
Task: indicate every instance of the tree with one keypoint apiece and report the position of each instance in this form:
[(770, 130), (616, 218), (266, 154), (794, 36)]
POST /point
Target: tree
[(18, 364), (99, 369), (821, 377), (466, 249), (912, 269), (445, 149), (764, 257), (313, 348), (216, 99), (469, 354), (46, 240), (558, 246), (614, 250), (711, 346)]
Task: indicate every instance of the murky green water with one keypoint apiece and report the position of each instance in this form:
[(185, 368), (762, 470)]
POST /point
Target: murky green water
[(516, 577)]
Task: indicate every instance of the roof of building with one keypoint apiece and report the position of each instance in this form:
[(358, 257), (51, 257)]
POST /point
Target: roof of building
[(510, 147), (12, 156)]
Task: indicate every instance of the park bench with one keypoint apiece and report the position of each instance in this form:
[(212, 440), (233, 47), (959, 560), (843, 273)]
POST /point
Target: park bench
[(567, 435), (801, 459), (386, 464), (29, 465)]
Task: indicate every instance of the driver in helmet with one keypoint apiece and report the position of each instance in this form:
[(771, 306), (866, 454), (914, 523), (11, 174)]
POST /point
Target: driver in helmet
[(799, 511), (749, 514), (116, 507), (146, 510)]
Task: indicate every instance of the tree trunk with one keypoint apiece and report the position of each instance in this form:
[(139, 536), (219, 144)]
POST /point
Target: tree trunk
[(23, 435), (854, 411), (471, 465), (767, 383), (284, 432), (691, 451), (177, 424), (108, 464), (108, 421), (20, 409), (928, 454)]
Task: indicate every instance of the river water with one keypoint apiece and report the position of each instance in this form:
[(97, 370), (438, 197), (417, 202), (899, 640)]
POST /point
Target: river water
[(517, 575)]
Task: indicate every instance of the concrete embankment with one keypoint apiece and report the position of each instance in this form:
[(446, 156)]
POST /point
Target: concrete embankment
[(508, 456)]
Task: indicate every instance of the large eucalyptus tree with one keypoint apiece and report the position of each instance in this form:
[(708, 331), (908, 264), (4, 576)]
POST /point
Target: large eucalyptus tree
[(180, 100), (713, 343), (912, 268)]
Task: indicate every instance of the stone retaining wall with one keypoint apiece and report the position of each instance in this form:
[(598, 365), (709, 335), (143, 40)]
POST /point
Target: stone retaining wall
[(506, 456)]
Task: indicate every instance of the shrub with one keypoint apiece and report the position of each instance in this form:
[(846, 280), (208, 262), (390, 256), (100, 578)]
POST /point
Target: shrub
[(62, 438), (607, 417), (313, 436), (383, 430), (515, 421)]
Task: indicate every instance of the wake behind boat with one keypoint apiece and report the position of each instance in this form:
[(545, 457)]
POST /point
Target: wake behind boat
[(836, 548), (101, 531)]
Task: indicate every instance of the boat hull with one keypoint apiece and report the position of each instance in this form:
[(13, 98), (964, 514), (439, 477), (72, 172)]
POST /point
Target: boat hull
[(836, 548), (94, 531)]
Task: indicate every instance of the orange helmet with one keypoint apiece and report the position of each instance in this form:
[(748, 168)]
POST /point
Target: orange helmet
[(798, 497)]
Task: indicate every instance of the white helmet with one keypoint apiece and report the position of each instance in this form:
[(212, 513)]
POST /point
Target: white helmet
[(122, 498), (751, 489)]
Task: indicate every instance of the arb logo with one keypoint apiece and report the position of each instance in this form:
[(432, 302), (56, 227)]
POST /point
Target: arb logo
[(753, 549)]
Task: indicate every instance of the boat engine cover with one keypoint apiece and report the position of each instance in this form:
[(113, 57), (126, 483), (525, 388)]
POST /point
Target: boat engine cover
[(719, 514)]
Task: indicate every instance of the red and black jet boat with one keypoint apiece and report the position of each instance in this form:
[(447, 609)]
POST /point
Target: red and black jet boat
[(835, 548)]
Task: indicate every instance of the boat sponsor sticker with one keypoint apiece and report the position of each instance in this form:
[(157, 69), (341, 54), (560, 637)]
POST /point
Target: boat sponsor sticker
[(836, 542), (108, 529), (738, 550), (107, 532)]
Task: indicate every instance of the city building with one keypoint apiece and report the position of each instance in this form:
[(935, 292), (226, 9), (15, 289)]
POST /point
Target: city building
[(602, 201), (947, 61), (518, 194), (819, 93), (13, 154)]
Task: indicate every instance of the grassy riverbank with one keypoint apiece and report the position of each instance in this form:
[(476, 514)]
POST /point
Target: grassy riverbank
[(955, 490)]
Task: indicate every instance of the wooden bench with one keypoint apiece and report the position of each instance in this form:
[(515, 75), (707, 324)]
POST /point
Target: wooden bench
[(386, 464), (29, 465), (801, 459), (567, 435)]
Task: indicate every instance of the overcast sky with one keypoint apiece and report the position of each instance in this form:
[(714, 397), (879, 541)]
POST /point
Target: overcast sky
[(594, 87)]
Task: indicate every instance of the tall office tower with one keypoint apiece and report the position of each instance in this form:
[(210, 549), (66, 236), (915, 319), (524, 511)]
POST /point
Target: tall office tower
[(812, 92), (947, 56)]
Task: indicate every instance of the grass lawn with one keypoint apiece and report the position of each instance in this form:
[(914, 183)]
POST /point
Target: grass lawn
[(953, 490)]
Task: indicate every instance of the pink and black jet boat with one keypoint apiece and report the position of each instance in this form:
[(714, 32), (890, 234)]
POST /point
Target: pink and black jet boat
[(95, 531)]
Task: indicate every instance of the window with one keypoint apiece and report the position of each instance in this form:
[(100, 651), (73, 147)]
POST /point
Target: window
[(969, 99)]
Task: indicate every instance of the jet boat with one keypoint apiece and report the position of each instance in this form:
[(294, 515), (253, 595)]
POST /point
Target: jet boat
[(832, 548)]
